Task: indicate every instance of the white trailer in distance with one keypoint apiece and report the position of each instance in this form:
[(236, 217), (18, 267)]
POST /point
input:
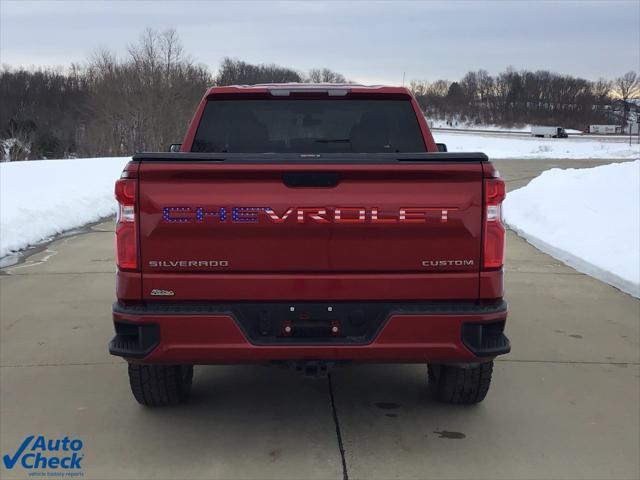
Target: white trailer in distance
[(605, 129), (548, 132)]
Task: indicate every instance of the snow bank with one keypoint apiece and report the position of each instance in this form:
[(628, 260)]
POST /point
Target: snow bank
[(39, 199), (481, 126), (476, 126), (588, 218), (533, 148)]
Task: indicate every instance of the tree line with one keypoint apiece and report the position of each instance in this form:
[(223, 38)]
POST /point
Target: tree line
[(525, 97), (112, 106)]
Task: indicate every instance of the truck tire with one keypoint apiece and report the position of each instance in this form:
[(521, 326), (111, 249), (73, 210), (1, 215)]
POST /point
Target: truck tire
[(160, 385), (458, 385)]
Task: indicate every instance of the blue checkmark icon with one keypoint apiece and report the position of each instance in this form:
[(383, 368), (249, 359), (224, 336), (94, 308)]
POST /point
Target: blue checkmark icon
[(10, 462)]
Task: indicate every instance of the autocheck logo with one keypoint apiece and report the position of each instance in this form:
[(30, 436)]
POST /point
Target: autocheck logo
[(41, 453)]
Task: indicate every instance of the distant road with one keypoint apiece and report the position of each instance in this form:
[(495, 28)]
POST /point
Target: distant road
[(512, 133)]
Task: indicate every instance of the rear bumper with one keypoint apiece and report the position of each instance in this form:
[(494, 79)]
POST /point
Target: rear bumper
[(461, 332)]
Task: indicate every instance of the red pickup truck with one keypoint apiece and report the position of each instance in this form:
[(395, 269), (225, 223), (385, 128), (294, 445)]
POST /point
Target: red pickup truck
[(309, 226)]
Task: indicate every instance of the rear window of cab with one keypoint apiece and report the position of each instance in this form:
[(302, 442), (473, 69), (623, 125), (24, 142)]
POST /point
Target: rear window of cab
[(309, 126)]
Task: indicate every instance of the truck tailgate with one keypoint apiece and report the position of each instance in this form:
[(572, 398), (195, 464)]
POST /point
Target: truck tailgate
[(211, 230)]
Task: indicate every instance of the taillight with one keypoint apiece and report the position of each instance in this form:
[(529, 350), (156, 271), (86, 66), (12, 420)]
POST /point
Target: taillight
[(494, 231), (126, 225)]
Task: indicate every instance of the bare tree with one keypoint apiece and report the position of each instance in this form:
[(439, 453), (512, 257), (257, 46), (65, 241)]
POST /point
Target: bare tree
[(324, 75), (18, 142), (602, 90), (418, 87), (627, 85), (439, 88), (143, 103), (485, 85), (236, 72)]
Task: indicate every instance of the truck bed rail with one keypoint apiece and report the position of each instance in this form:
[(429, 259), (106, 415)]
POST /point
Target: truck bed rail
[(297, 158)]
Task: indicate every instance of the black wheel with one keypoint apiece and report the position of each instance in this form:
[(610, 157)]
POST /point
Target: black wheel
[(160, 385), (451, 384)]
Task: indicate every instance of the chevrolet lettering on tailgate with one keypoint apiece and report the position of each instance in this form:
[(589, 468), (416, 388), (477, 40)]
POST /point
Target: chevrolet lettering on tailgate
[(186, 214)]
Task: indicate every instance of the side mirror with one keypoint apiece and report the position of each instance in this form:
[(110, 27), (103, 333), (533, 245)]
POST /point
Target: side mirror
[(441, 147), (175, 147)]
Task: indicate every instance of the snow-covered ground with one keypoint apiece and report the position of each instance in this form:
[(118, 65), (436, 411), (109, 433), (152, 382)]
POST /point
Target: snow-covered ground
[(588, 218), (532, 147), (456, 125), (40, 199), (473, 126)]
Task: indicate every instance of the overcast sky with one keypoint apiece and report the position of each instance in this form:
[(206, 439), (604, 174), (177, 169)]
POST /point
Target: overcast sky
[(370, 42)]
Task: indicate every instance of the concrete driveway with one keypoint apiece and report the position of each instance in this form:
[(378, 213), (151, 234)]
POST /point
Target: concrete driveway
[(564, 403)]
